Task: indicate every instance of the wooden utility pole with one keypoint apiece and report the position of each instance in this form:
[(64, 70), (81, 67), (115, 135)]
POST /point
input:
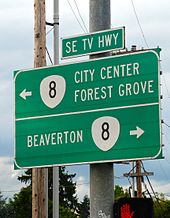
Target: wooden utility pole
[(39, 34), (138, 175), (138, 179), (38, 175)]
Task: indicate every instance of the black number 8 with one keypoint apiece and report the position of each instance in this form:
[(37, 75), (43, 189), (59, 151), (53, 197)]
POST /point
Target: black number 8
[(105, 131), (52, 87)]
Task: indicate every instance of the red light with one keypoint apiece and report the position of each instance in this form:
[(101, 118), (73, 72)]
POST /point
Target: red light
[(125, 211)]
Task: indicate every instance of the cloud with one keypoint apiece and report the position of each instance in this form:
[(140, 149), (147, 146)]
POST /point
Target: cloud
[(82, 188), (6, 110), (8, 179), (16, 43), (160, 187)]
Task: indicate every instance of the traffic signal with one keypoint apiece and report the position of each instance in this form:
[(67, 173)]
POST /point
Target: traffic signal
[(133, 208)]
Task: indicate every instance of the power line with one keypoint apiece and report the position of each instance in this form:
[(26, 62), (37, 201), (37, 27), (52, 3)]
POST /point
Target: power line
[(162, 169), (1, 191), (153, 191), (166, 87), (76, 16), (166, 124), (167, 194), (139, 24), (167, 138), (146, 188), (80, 16)]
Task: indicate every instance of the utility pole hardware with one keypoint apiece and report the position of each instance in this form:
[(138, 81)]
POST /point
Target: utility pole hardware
[(139, 178)]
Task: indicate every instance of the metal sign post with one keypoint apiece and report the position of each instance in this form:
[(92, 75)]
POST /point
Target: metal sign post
[(56, 61), (101, 175)]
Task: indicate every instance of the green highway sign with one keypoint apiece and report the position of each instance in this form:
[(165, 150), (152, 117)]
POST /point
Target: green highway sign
[(101, 136), (88, 111), (96, 42), (111, 82)]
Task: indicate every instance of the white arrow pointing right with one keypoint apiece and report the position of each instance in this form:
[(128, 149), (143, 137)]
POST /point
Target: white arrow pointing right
[(138, 132)]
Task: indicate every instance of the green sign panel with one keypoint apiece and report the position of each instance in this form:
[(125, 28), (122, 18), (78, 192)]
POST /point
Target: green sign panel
[(113, 82), (129, 133), (113, 39), (88, 112)]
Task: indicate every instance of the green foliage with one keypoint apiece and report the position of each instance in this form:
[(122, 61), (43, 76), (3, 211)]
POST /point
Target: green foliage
[(120, 193), (6, 210), (66, 213), (22, 203), (84, 208), (67, 197), (161, 207), (2, 206), (27, 177)]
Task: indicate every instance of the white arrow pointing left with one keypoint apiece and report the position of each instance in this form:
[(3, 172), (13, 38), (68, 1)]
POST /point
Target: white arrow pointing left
[(138, 132), (24, 94)]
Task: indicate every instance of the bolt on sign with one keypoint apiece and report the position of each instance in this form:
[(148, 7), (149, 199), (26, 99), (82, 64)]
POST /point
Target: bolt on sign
[(95, 111)]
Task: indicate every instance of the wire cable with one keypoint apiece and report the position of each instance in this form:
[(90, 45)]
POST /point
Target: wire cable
[(166, 124), (8, 191), (46, 47), (132, 169), (76, 17), (166, 87), (80, 16), (49, 55), (146, 188), (168, 141), (162, 169), (134, 9), (49, 31), (157, 199)]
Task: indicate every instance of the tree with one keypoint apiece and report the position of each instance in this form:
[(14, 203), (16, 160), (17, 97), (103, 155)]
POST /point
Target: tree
[(27, 177), (2, 206), (84, 208), (66, 213), (161, 207), (22, 203), (6, 210), (67, 195), (120, 193)]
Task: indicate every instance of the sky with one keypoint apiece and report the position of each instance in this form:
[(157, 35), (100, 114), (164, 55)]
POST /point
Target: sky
[(149, 29)]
